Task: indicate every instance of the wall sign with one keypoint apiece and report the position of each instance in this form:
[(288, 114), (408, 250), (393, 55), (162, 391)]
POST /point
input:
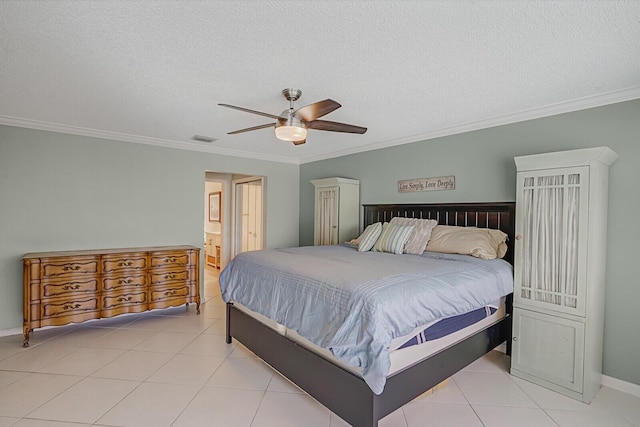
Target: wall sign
[(427, 184)]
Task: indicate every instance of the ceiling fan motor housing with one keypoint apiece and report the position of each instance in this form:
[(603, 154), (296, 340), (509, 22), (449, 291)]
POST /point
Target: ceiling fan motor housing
[(291, 94)]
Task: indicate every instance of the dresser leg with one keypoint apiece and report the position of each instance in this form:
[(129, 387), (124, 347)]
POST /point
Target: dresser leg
[(26, 331), (197, 307)]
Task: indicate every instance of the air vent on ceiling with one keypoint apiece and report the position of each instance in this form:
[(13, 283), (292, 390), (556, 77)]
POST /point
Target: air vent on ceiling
[(201, 138)]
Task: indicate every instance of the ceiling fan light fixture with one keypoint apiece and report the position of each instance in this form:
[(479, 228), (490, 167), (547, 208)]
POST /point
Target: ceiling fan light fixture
[(291, 133)]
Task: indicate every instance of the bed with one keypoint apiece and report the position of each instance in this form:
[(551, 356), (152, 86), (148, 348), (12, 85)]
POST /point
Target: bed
[(344, 391)]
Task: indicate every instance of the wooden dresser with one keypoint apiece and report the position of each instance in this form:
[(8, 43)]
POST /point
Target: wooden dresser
[(74, 286)]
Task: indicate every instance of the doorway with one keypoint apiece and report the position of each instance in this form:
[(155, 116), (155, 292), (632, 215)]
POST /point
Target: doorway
[(248, 214)]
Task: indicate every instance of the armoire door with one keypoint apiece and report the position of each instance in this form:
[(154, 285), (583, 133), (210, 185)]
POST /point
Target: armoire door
[(327, 205), (551, 239)]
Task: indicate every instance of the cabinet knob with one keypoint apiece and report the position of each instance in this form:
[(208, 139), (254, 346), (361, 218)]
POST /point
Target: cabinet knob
[(515, 338), (518, 236)]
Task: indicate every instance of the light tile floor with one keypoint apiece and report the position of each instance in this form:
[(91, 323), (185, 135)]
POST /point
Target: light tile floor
[(173, 368)]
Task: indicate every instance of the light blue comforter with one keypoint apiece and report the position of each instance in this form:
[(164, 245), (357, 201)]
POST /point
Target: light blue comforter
[(354, 303)]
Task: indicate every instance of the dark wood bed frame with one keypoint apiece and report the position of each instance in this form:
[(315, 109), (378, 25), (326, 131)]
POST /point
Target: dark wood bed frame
[(345, 393)]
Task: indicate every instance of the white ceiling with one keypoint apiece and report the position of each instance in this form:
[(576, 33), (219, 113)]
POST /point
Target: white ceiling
[(154, 71)]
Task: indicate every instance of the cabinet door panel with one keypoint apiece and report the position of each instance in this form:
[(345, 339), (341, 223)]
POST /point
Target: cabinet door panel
[(550, 250), (326, 220), (548, 347)]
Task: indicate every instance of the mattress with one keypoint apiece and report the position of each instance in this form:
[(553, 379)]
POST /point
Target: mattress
[(401, 358)]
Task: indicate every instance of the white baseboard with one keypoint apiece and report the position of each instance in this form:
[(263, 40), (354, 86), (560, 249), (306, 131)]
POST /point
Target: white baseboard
[(7, 332), (620, 385)]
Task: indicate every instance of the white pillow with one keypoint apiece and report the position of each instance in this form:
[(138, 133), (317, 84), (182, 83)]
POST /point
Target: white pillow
[(482, 243), (369, 237), (393, 238), (421, 233)]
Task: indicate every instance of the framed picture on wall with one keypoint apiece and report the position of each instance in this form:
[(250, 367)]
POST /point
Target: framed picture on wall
[(214, 207)]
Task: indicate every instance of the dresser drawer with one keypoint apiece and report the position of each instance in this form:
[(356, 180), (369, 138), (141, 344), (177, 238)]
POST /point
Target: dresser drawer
[(166, 277), (67, 266), (76, 286), (169, 259), (120, 299), (172, 292), (113, 281), (120, 262), (69, 307)]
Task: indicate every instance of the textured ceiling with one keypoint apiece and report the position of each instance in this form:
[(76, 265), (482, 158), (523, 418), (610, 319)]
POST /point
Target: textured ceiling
[(154, 71)]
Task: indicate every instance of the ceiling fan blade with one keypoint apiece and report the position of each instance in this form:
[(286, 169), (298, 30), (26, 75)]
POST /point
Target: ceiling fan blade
[(335, 126), (270, 125), (299, 142), (246, 110), (316, 110)]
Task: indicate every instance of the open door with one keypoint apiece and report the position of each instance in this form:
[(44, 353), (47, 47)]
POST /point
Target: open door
[(249, 219)]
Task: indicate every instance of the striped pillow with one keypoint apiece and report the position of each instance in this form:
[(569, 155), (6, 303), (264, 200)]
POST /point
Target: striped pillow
[(421, 233), (393, 238), (369, 237)]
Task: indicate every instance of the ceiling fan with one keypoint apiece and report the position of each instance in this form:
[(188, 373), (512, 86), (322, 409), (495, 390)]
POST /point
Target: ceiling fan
[(291, 125)]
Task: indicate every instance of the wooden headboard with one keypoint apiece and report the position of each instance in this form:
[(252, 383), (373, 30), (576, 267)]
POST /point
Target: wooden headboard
[(497, 215)]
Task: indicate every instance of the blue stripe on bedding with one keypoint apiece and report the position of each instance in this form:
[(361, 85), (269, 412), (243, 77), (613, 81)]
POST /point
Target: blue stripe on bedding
[(448, 326)]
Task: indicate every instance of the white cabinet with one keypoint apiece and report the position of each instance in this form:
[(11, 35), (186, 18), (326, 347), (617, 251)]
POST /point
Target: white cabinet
[(559, 269), (337, 210)]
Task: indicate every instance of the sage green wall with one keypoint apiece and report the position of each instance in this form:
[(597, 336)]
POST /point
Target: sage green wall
[(482, 162), (65, 192)]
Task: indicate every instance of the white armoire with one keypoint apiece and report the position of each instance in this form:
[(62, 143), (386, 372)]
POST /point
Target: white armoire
[(559, 269), (337, 210)]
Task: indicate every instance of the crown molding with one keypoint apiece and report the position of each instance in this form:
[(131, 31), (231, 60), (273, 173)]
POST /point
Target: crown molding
[(181, 145), (534, 113), (531, 114)]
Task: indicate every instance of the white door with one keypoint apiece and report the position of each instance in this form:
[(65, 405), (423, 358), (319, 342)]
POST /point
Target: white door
[(248, 214)]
